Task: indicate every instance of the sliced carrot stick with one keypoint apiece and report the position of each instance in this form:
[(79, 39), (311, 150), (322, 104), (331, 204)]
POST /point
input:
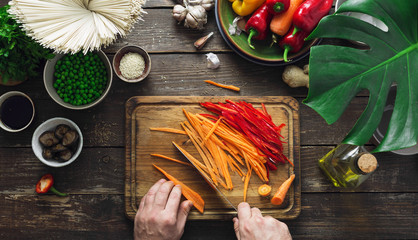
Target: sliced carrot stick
[(170, 130), (230, 87), (264, 190), (246, 183), (186, 191), (279, 196), (171, 159)]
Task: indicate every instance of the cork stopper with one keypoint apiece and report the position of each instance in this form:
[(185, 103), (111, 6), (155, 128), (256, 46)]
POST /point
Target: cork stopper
[(367, 163)]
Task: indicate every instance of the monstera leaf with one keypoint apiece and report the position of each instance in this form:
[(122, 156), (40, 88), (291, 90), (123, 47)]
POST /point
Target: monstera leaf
[(338, 73)]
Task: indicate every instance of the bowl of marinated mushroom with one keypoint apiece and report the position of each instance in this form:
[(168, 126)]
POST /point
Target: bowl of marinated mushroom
[(57, 142)]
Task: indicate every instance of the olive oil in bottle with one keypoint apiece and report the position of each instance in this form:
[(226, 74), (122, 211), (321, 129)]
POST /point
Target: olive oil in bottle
[(347, 165)]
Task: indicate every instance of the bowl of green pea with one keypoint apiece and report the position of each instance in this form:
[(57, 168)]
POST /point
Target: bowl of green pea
[(78, 81)]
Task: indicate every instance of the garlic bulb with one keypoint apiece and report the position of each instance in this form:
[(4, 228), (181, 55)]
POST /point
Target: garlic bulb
[(206, 4), (179, 12), (196, 17)]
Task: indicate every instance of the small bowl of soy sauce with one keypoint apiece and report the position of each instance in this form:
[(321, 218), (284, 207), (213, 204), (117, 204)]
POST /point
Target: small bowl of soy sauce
[(16, 111)]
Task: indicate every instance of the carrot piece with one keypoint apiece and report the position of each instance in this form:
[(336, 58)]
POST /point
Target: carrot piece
[(171, 159), (279, 196), (170, 130), (264, 190), (246, 183), (186, 191), (230, 87), (281, 23)]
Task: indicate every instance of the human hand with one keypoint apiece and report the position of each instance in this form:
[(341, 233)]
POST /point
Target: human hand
[(251, 225), (160, 214)]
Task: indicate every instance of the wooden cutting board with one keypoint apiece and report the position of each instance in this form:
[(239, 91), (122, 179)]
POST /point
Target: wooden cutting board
[(142, 113)]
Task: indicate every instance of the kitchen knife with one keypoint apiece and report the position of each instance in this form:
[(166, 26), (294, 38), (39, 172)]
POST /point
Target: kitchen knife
[(208, 180)]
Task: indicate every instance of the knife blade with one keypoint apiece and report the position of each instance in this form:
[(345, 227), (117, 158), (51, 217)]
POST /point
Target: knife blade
[(207, 179)]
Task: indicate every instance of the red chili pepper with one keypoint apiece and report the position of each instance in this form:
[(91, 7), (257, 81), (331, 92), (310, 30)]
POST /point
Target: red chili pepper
[(257, 26), (45, 185), (292, 42), (275, 7), (309, 13)]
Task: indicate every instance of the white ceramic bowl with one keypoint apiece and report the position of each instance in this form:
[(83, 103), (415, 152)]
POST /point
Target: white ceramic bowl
[(50, 125), (49, 71), (11, 94)]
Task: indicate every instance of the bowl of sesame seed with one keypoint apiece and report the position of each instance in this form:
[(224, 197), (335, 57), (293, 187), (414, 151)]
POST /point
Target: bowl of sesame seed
[(132, 64)]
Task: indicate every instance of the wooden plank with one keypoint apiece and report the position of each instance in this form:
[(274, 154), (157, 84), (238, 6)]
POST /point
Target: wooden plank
[(104, 126), (160, 32), (145, 112), (96, 171), (102, 171), (329, 216)]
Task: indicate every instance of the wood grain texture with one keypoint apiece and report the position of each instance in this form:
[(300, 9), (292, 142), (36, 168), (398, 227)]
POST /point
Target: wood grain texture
[(143, 113), (383, 207), (323, 216), (101, 170), (103, 125)]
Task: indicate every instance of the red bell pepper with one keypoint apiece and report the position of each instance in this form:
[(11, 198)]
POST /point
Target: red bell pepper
[(45, 185), (257, 26), (292, 42), (275, 7), (256, 124), (309, 13)]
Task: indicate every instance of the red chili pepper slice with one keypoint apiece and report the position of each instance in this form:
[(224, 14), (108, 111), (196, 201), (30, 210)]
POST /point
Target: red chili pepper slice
[(45, 184), (257, 26)]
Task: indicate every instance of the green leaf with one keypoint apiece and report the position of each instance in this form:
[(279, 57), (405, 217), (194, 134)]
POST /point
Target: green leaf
[(338, 73), (19, 54)]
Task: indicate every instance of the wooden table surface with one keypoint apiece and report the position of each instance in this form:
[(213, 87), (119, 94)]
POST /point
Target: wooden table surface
[(384, 207)]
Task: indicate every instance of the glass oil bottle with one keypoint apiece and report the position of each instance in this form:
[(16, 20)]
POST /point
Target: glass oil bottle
[(347, 165)]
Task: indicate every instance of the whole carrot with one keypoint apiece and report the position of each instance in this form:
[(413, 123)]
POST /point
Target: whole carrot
[(279, 196), (281, 23)]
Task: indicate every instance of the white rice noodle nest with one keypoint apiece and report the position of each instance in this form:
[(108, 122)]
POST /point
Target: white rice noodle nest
[(69, 26)]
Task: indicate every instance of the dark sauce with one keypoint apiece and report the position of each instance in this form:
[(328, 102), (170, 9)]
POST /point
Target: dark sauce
[(16, 112)]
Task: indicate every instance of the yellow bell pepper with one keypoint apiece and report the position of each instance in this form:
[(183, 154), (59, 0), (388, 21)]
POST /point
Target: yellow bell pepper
[(245, 7)]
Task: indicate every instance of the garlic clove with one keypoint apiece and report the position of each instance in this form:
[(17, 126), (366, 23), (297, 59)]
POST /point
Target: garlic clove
[(196, 17), (202, 41), (207, 4), (212, 61), (179, 12)]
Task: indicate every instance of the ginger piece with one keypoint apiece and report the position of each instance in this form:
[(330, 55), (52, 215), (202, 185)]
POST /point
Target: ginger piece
[(295, 76)]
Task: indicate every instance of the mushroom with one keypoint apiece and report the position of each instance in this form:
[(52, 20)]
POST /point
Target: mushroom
[(48, 139), (58, 148), (47, 153), (61, 130), (295, 76), (70, 138), (65, 155)]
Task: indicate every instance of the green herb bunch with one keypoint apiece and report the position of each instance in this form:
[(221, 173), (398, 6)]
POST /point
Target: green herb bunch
[(19, 54)]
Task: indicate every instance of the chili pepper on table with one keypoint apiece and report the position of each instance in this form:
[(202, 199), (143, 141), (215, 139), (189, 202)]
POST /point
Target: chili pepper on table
[(257, 26), (277, 6), (292, 42), (45, 185), (309, 13), (245, 7)]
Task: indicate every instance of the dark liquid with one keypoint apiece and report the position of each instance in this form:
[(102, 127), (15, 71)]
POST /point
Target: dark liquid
[(16, 112)]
